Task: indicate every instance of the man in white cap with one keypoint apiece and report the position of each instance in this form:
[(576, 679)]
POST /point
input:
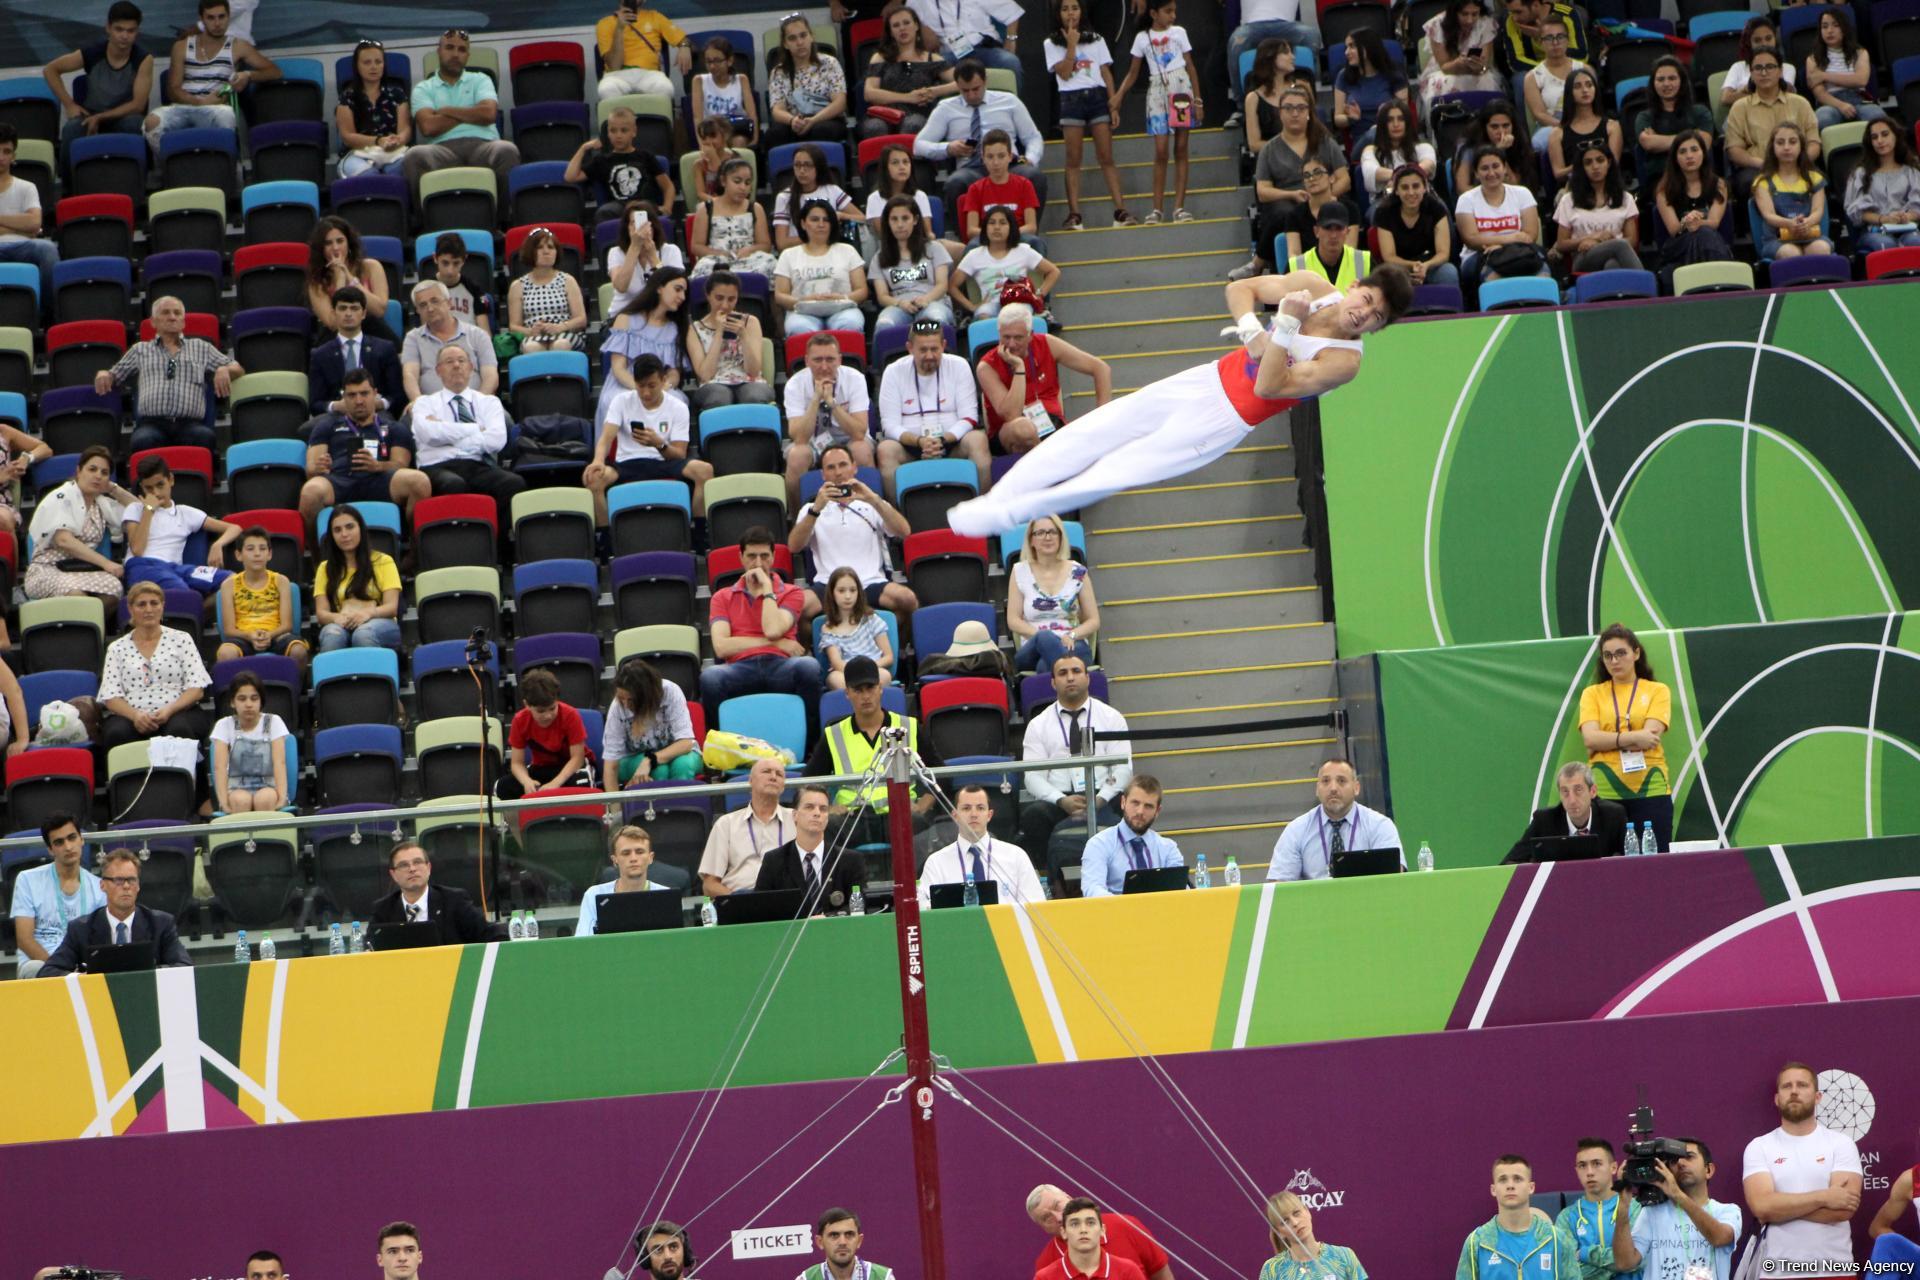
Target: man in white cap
[(848, 745)]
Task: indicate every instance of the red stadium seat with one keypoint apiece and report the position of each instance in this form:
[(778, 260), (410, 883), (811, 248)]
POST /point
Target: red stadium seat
[(966, 716), (192, 469), (723, 565), (853, 348), (199, 325), (1893, 263), (285, 529), (79, 349), (943, 566), (455, 529), (95, 226), (47, 780)]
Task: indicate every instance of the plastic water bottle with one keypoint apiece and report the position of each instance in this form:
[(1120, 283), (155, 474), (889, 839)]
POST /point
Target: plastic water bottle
[(1425, 860), (970, 896), (1230, 874), (1649, 843), (336, 941), (1633, 842), (358, 945), (708, 917), (241, 952), (1201, 879), (532, 926), (516, 926), (857, 905), (266, 947)]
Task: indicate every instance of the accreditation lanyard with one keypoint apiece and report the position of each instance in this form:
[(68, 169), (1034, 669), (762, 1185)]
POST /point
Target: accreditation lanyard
[(1620, 725), (779, 833), (1353, 826), (920, 393)]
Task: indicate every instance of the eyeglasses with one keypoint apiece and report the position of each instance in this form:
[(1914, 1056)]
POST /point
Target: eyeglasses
[(120, 880), (1553, 37), (1313, 173), (1293, 106), (1614, 655)]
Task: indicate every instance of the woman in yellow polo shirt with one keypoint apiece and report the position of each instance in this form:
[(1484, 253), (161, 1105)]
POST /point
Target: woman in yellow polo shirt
[(1624, 715)]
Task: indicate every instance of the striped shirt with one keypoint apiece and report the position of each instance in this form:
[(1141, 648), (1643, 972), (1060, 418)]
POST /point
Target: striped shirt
[(172, 383), (203, 77)]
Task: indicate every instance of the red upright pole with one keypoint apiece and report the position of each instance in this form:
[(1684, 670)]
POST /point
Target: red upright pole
[(913, 1010)]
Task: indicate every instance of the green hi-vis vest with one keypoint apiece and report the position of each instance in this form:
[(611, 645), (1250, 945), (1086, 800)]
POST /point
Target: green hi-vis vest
[(852, 753), (1355, 264)]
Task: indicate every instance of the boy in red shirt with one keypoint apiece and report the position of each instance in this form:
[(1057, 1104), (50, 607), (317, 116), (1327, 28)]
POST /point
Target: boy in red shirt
[(1001, 188), (1083, 1234), (547, 742)]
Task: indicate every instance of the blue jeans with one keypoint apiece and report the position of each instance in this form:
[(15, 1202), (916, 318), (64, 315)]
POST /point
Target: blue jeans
[(1872, 239), (159, 433), (375, 633), (1248, 35), (849, 317), (1043, 648), (186, 116), (1866, 112), (42, 254), (767, 673), (898, 318), (1893, 1248), (1443, 273), (172, 576)]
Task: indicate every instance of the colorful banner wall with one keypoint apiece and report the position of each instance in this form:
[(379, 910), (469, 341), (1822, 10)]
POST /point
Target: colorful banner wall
[(456, 1028), (1740, 458), (1785, 733), (1390, 1141)]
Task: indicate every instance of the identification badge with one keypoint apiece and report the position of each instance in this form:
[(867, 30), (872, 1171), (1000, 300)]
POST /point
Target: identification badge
[(1699, 1271), (1633, 762), (963, 43), (1042, 421)]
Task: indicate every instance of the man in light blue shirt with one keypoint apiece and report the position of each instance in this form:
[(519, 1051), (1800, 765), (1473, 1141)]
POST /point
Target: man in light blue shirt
[(632, 855), (956, 125), (46, 899), (1132, 846), (457, 117), (1692, 1234), (1339, 822)]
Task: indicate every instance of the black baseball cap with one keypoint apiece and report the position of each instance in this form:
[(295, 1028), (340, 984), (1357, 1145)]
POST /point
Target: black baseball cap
[(861, 672), (1333, 214)]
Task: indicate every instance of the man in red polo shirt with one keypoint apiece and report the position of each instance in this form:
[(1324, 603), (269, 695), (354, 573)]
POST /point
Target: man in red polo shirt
[(1020, 381), (1126, 1239), (755, 626), (1083, 1232)]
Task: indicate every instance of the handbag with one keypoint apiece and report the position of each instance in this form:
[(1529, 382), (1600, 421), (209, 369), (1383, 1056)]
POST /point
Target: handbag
[(506, 345), (1753, 1263), (1515, 260), (892, 115), (1022, 290)]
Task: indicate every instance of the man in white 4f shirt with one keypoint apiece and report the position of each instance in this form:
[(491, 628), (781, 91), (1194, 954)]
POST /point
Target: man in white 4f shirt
[(930, 407), (1802, 1180)]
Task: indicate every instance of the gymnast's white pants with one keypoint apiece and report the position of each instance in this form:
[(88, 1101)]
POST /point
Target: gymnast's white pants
[(1167, 429)]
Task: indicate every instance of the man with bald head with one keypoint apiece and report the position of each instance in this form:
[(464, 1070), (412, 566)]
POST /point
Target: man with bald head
[(1126, 1238), (458, 431)]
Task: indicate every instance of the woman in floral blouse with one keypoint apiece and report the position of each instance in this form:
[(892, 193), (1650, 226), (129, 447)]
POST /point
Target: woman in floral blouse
[(807, 91), (153, 679)]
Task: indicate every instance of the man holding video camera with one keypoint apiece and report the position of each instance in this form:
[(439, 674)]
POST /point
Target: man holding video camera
[(1689, 1234)]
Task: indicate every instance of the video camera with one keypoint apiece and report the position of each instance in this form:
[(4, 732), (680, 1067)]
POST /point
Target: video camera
[(72, 1272), (1640, 1172)]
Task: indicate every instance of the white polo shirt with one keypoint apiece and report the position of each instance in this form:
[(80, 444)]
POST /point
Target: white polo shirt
[(1799, 1163), (852, 534)]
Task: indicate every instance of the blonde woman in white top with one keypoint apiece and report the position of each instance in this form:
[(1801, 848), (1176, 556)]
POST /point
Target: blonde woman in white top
[(1050, 602)]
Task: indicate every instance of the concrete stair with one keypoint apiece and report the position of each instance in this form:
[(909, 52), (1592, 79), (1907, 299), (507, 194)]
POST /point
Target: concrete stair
[(1210, 610)]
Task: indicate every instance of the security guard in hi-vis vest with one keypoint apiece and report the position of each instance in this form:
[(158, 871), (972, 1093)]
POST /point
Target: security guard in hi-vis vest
[(849, 746)]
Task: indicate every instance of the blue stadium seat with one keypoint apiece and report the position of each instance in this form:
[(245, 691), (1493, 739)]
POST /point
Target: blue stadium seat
[(299, 93), (574, 658), (30, 107), (288, 151), (741, 437), (399, 67), (92, 289), (443, 685), (356, 686), (933, 626), (555, 595), (479, 244), (266, 473), (650, 515), (652, 587), (779, 718), (1519, 291), (982, 334), (925, 490), (1700, 26), (13, 410), (279, 211), (38, 688), (1608, 286), (108, 164), (550, 382), (1013, 539), (200, 158), (551, 130), (382, 521), (538, 192), (885, 615), (20, 295), (358, 763)]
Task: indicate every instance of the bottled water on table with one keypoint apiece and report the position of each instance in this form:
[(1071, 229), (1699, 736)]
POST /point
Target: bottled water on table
[(970, 896), (1230, 874), (517, 926), (1649, 843), (708, 918), (266, 947), (857, 905), (241, 952), (1633, 842), (336, 941), (358, 945), (1201, 880), (1426, 856)]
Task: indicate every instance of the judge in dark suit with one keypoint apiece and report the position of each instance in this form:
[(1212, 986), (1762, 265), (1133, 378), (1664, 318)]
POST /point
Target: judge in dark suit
[(352, 349), (414, 901), (1579, 813), (801, 863), (122, 920)]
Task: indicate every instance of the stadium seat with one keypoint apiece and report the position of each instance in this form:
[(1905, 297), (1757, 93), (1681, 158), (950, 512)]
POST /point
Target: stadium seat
[(280, 676), (678, 824), (39, 688), (564, 846), (45, 474), (741, 438), (454, 841), (74, 418), (298, 609), (192, 469), (46, 780), (538, 194), (780, 162), (550, 382), (561, 472), (672, 651), (166, 863), (16, 348), (269, 406), (451, 602), (1036, 690), (572, 656), (485, 60), (108, 164), (62, 633), (95, 226), (266, 473), (853, 348), (1905, 70), (288, 151), (137, 788), (555, 595), (738, 503), (270, 275), (199, 324), (926, 490), (1339, 20), (286, 531), (253, 868), (550, 130), (273, 339), (352, 873), (933, 626), (1510, 292), (450, 759), (1809, 269), (381, 520), (443, 684), (779, 718), (568, 235), (836, 705), (1712, 277), (358, 763), (183, 609), (13, 410), (30, 107), (356, 686), (811, 481), (547, 71), (399, 67), (279, 211), (20, 295), (375, 203), (191, 275), (654, 587), (199, 158), (458, 529), (689, 160), (944, 567), (965, 716), (1886, 264), (1610, 286), (464, 196), (553, 524), (650, 515), (299, 94), (479, 246), (982, 335)]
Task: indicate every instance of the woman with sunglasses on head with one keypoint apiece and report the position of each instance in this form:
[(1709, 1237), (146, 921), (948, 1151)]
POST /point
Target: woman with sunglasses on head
[(545, 305), (374, 119), (807, 91), (905, 75), (1585, 123)]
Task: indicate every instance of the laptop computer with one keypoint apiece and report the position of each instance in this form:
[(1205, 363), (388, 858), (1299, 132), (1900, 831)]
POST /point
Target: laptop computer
[(1563, 848), (1365, 862), (1155, 880), (398, 936), (758, 907), (130, 957), (955, 895), (637, 912)]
